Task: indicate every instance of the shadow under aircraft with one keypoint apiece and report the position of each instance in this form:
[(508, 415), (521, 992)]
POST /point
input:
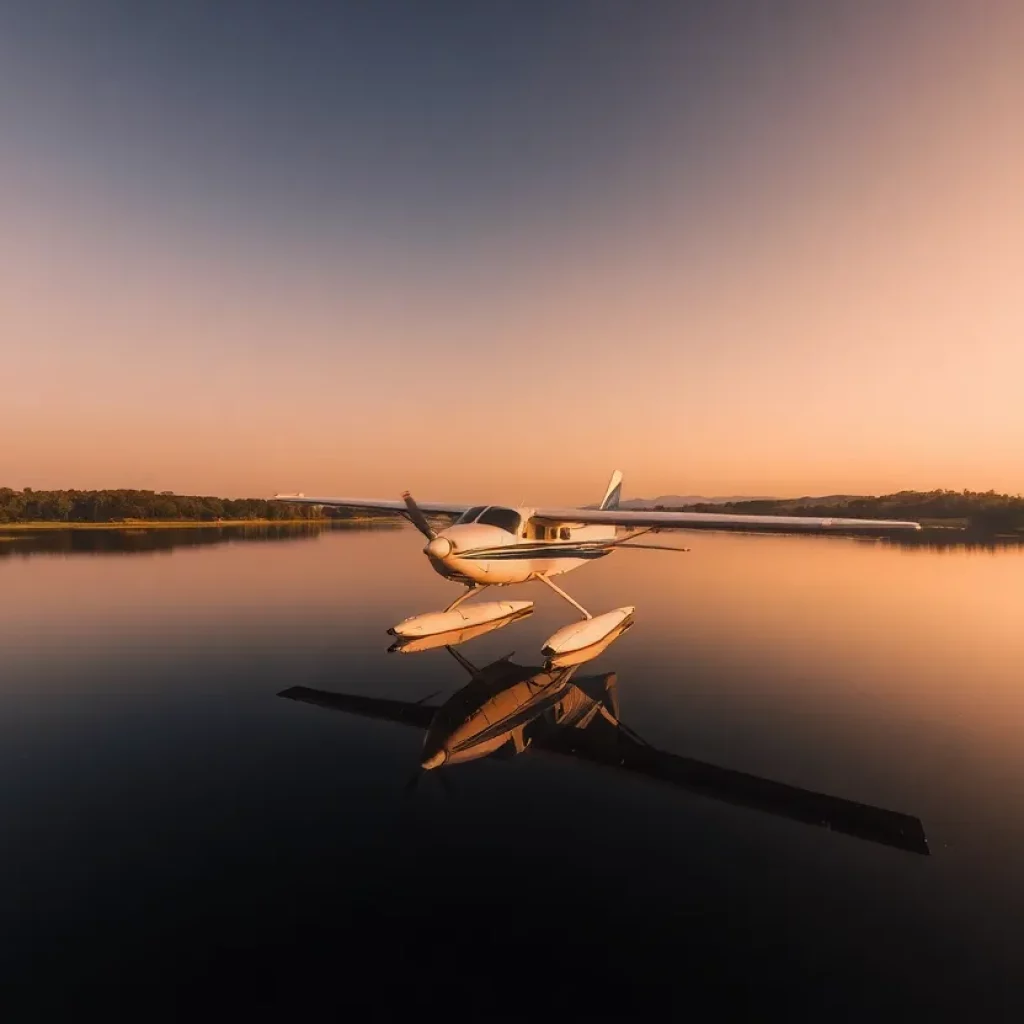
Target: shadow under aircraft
[(506, 709)]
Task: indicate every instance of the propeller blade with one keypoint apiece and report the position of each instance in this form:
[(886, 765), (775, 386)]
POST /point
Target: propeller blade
[(416, 517)]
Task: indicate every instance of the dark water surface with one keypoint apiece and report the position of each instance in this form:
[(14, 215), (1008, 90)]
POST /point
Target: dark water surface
[(178, 838)]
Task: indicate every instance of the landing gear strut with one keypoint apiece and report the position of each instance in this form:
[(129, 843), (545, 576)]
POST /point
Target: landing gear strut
[(466, 595), (579, 640), (562, 594)]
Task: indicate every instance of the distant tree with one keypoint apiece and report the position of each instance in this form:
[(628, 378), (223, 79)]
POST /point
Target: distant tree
[(62, 506)]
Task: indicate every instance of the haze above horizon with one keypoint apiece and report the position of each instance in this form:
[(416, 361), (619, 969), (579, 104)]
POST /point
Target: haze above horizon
[(498, 250)]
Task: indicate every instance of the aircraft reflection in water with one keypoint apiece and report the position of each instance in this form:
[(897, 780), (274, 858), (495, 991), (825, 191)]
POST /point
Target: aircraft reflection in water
[(507, 708)]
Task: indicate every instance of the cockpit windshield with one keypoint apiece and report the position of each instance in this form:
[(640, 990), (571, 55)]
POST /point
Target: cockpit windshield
[(506, 518), (470, 514)]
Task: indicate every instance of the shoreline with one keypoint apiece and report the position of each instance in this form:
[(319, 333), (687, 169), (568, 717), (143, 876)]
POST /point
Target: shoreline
[(945, 536), (192, 524)]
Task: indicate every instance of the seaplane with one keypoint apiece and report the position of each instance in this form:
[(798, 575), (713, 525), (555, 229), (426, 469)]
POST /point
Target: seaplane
[(506, 709), (499, 546)]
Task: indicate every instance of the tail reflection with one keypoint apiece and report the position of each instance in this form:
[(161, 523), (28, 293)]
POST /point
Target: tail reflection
[(507, 708)]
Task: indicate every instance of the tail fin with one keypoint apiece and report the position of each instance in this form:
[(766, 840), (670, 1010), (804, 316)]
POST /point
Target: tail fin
[(614, 492)]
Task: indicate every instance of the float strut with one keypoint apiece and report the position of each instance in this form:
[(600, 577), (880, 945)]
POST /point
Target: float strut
[(466, 594), (561, 593)]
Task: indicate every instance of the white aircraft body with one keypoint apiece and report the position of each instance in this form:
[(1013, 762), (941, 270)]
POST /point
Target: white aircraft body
[(498, 545)]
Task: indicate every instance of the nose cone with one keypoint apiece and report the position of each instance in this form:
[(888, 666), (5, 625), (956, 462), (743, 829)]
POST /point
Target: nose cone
[(439, 547), (434, 761)]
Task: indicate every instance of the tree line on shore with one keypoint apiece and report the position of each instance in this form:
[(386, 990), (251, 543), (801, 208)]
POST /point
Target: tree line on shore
[(985, 513), (111, 506), (980, 512)]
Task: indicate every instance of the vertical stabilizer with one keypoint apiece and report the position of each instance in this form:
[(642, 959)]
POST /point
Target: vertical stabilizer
[(614, 492)]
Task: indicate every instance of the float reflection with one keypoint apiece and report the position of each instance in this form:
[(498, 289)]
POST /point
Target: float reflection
[(507, 708)]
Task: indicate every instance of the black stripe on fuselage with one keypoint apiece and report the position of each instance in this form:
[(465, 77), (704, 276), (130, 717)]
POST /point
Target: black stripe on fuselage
[(521, 551)]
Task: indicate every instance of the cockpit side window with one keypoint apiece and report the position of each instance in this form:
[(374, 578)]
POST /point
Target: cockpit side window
[(506, 518), (470, 514)]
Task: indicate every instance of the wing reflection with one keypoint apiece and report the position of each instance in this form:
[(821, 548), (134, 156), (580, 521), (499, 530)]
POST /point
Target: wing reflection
[(507, 708)]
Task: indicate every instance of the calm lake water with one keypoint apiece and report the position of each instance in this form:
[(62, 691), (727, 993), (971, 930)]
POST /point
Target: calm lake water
[(176, 836)]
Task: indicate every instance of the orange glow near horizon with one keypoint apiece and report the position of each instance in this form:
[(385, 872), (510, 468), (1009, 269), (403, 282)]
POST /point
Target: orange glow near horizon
[(836, 310)]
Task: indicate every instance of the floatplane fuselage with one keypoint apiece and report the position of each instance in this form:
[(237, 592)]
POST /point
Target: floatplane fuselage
[(494, 545), (497, 545)]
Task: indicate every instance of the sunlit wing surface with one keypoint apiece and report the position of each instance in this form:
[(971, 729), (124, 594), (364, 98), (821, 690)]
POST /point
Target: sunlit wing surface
[(626, 518), (713, 520), (378, 504)]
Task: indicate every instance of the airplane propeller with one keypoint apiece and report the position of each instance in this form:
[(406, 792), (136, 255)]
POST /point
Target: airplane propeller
[(417, 518)]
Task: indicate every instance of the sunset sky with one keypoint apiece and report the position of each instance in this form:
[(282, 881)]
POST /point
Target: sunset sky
[(495, 250)]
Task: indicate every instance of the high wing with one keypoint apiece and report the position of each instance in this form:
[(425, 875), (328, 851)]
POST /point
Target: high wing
[(627, 518), (714, 520), (438, 507)]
